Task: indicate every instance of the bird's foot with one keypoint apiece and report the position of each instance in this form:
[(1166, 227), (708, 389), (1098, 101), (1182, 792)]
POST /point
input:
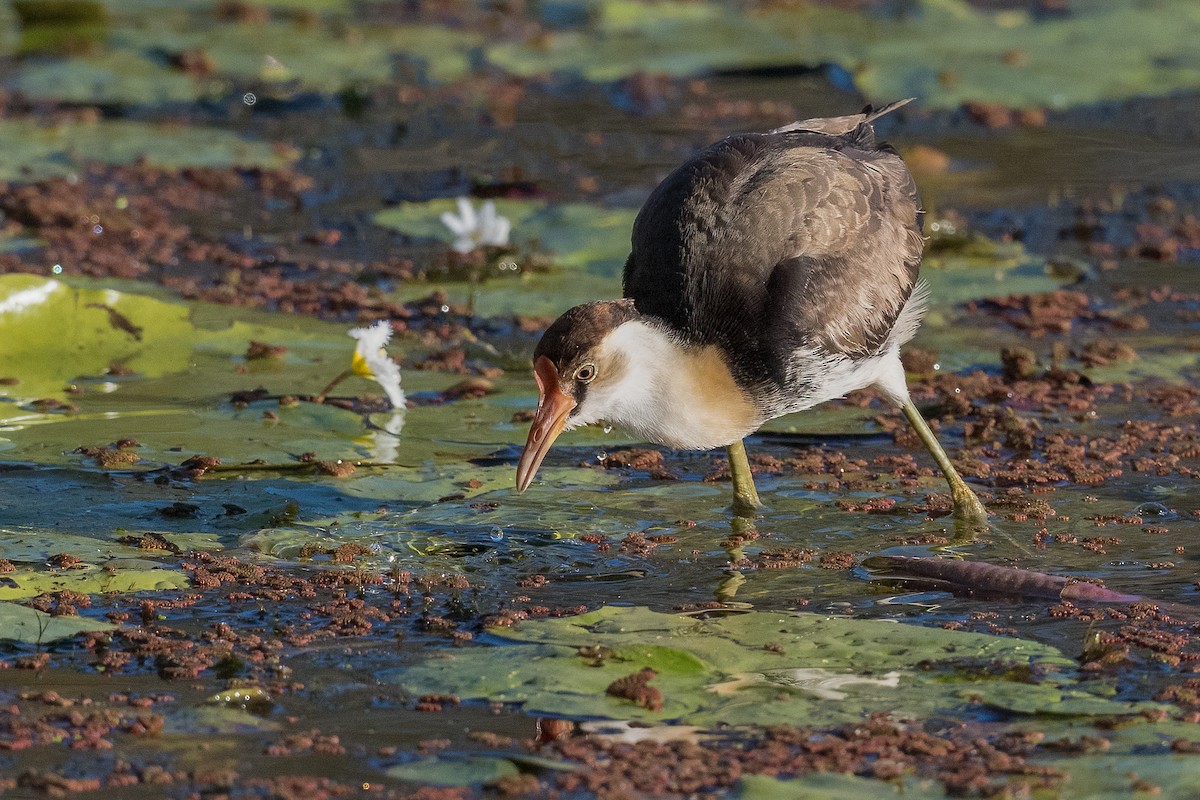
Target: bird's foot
[(747, 504), (968, 510)]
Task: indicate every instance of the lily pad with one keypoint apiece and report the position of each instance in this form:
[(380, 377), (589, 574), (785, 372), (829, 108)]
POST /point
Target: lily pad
[(1109, 777), (589, 245), (1056, 701), (943, 51), (89, 580), (34, 151), (755, 668), (30, 626), (85, 338), (37, 545), (824, 786), (451, 772), (578, 235), (94, 327), (269, 59)]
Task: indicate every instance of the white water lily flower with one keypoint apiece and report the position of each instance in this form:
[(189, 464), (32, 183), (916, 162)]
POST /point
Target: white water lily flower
[(371, 360), (472, 230)]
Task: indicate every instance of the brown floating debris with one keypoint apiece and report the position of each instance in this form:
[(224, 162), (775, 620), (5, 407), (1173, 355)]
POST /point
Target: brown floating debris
[(635, 687), (262, 350), (108, 457), (151, 541)]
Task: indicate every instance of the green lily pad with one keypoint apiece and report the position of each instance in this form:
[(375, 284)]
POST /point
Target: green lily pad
[(450, 772), (824, 786), (943, 51), (270, 59), (86, 337), (589, 246), (755, 668), (30, 626), (219, 719), (34, 151), (110, 77), (1056, 701), (36, 545), (1109, 777), (323, 58), (579, 235), (95, 327), (89, 580)]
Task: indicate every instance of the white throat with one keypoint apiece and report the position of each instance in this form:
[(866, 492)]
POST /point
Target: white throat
[(660, 390)]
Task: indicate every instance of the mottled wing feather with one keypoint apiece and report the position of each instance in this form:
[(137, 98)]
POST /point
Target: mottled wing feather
[(857, 250), (780, 240)]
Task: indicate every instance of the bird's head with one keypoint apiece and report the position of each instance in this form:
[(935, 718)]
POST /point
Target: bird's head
[(580, 368)]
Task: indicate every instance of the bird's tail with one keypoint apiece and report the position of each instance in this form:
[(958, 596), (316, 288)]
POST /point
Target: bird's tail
[(840, 126)]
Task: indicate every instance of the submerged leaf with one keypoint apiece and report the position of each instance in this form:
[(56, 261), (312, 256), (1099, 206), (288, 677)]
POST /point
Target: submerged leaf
[(448, 772)]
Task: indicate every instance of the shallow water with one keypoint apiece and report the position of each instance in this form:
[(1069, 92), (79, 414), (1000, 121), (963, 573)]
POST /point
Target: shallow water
[(439, 555)]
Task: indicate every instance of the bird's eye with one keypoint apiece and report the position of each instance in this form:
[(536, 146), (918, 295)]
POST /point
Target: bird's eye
[(586, 373)]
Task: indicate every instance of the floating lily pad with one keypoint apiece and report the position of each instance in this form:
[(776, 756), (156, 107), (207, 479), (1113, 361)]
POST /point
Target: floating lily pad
[(54, 333), (28, 625), (89, 580), (270, 59), (943, 51), (1109, 777), (824, 786), (578, 235), (36, 545), (34, 151), (219, 718), (446, 771), (589, 245), (120, 76), (1056, 701), (755, 668)]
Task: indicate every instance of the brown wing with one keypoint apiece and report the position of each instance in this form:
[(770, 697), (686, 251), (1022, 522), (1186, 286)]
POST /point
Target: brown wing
[(856, 249), (769, 242)]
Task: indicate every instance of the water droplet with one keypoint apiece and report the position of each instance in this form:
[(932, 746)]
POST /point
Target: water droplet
[(98, 229), (1152, 509), (496, 534), (249, 99), (608, 428), (602, 456), (937, 367), (56, 269), (445, 309)]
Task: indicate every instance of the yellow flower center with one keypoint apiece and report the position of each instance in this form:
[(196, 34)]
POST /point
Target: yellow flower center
[(359, 366)]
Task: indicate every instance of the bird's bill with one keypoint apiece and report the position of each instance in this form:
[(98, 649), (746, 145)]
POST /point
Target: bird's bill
[(553, 409)]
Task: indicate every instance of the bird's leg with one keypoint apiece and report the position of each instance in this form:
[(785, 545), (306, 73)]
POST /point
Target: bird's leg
[(745, 496), (967, 507), (741, 530)]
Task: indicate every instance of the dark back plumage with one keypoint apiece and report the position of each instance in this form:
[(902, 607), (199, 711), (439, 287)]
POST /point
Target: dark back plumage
[(765, 244)]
